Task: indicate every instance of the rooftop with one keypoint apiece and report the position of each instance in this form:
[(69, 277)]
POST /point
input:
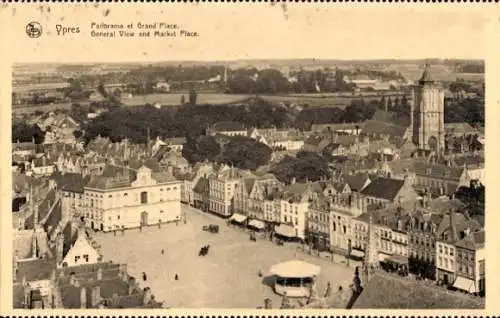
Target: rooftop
[(399, 293), (384, 188)]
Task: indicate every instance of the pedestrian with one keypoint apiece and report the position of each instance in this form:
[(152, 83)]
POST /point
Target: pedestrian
[(176, 277), (162, 252), (144, 277)]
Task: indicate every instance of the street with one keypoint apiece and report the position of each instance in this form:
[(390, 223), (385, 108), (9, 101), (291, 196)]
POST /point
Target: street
[(226, 278)]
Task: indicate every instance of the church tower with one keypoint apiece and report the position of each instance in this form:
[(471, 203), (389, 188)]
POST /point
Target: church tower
[(428, 115)]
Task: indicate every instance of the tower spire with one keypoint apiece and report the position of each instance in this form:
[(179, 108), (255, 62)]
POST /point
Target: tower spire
[(426, 75)]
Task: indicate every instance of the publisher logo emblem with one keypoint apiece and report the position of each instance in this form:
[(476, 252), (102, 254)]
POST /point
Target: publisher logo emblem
[(34, 30)]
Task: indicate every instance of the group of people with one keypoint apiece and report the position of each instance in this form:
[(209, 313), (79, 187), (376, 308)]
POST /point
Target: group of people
[(204, 250)]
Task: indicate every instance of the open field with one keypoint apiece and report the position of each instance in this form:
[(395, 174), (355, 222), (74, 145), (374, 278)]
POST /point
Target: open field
[(440, 73), (316, 100), (226, 278), (26, 109), (175, 99)]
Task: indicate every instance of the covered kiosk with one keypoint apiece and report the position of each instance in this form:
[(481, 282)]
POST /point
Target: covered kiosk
[(256, 225), (238, 218), (285, 231), (294, 278)]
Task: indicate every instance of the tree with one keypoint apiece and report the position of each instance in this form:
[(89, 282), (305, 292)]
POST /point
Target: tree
[(78, 134), (192, 97), (200, 149), (305, 166), (246, 153), (183, 100), (23, 132)]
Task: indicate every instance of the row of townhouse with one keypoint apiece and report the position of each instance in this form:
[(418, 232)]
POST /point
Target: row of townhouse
[(410, 230), (430, 239)]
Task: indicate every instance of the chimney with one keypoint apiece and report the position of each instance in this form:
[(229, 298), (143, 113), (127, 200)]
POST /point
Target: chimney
[(96, 296), (83, 297), (123, 272), (59, 248), (99, 273), (453, 228), (131, 285)]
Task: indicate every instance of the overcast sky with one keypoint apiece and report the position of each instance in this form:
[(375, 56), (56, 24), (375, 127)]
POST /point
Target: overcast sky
[(241, 31)]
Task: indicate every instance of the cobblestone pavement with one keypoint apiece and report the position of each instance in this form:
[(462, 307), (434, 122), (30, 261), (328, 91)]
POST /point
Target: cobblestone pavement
[(226, 278)]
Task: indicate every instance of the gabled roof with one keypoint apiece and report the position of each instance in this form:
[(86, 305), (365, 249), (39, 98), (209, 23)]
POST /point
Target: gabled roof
[(109, 178), (249, 183), (43, 162), (356, 181), (43, 209), (36, 269), (473, 241), (163, 177), (150, 163), (70, 295), (383, 188), (296, 192), (401, 166), (71, 182), (384, 128), (438, 171), (201, 186)]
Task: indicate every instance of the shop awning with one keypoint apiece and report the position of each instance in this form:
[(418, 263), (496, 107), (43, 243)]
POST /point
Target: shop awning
[(285, 230), (357, 253), (383, 257), (465, 284), (398, 259), (258, 224), (239, 218)]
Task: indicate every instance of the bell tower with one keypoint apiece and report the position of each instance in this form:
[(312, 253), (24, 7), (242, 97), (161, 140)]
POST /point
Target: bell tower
[(428, 115)]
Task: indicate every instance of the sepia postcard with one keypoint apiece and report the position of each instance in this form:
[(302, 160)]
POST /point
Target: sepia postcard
[(249, 159)]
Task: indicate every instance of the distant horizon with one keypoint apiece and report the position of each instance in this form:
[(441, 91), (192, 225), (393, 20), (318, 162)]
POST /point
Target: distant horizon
[(284, 59)]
